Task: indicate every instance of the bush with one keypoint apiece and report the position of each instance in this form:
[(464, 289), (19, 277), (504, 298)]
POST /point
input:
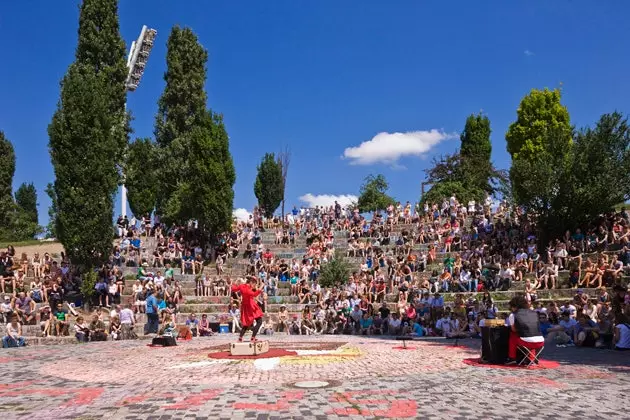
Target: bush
[(336, 272)]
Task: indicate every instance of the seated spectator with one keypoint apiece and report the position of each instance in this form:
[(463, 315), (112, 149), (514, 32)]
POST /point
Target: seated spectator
[(81, 330), (97, 329), (193, 324), (13, 335), (585, 333), (204, 327), (366, 324), (6, 309), (25, 308), (115, 328), (562, 333), (621, 339)]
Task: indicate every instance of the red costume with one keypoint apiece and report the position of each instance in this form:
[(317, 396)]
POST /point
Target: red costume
[(250, 310)]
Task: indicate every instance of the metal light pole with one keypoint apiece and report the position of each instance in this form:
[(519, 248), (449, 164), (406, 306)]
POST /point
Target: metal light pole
[(136, 62)]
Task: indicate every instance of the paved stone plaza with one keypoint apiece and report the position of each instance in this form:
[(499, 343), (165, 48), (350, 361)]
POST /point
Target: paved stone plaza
[(355, 377)]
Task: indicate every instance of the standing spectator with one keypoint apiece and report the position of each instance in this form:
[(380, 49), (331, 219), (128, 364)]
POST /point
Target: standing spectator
[(127, 322), (152, 325)]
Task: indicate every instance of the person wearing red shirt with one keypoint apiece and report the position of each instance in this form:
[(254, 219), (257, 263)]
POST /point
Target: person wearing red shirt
[(251, 315)]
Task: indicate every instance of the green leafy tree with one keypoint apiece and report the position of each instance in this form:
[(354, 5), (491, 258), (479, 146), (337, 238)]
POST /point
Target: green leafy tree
[(51, 227), (373, 195), (538, 113), (269, 185), (468, 174), (476, 168), (197, 171), (88, 136), (7, 170), (542, 127), (335, 272), (600, 164), (181, 108), (543, 184), (26, 200), (207, 194), (141, 168)]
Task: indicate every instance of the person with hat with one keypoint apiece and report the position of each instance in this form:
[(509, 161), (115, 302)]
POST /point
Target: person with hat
[(251, 315), (6, 309)]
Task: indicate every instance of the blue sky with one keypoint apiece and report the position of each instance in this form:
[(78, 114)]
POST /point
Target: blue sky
[(323, 76)]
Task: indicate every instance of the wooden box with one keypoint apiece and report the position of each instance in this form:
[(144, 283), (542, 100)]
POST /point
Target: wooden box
[(249, 349)]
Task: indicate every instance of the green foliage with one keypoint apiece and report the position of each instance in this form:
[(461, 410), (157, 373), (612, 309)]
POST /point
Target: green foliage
[(7, 170), (566, 187), (538, 113), (51, 227), (141, 171), (335, 272), (600, 164), (88, 136), (444, 190), (373, 195), (207, 192), (88, 282), (469, 173), (26, 200), (269, 185), (181, 108), (197, 175), (476, 168)]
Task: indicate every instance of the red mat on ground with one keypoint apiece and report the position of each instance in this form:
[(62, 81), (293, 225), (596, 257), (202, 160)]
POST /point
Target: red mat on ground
[(271, 353), (543, 364)]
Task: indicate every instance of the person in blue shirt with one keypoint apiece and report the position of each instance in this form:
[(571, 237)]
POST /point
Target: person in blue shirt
[(153, 321), (544, 323), (585, 333), (417, 330), (366, 324)]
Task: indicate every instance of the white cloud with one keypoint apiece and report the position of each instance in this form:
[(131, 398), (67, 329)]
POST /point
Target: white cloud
[(327, 200), (528, 53), (241, 214), (389, 147)]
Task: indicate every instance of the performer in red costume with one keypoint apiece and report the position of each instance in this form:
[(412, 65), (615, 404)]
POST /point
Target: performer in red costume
[(251, 315)]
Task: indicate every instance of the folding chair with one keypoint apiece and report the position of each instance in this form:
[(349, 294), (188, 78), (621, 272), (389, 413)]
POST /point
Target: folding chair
[(530, 354)]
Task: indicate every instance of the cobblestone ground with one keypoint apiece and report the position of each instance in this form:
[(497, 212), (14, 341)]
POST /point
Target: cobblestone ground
[(366, 378)]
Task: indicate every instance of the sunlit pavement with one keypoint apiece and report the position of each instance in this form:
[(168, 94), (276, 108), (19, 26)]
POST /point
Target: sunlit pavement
[(328, 377)]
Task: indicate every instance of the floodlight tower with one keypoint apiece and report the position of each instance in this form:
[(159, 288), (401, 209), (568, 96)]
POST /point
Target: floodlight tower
[(136, 63)]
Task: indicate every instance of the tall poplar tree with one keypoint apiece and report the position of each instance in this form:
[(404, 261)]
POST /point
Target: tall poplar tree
[(88, 135), (197, 172), (269, 185), (7, 170)]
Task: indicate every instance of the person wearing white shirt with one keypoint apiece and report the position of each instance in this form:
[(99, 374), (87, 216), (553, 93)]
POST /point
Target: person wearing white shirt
[(506, 274)]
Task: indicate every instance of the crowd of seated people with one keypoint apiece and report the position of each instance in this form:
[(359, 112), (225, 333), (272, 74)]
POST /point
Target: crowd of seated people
[(476, 247)]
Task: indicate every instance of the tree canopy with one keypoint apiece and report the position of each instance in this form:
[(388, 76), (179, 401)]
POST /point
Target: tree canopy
[(141, 171), (26, 201), (269, 184), (335, 272), (373, 194), (7, 170), (538, 113), (197, 175), (468, 174), (88, 136)]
